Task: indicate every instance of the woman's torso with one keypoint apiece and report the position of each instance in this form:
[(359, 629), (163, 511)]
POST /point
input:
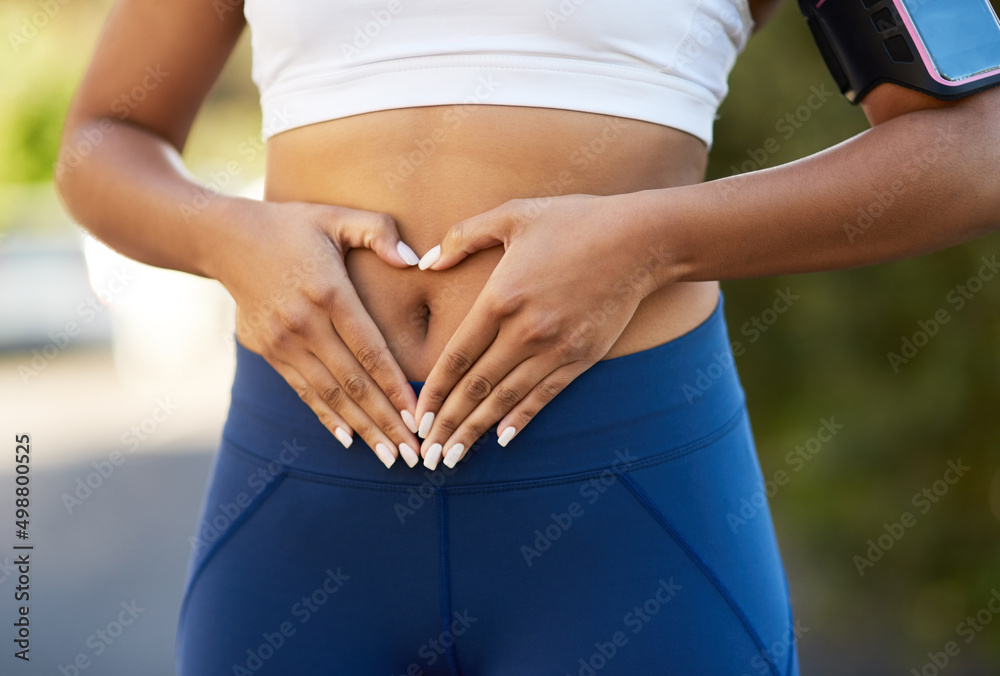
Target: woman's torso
[(430, 167)]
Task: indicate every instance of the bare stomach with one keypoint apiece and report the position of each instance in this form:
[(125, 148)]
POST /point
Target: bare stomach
[(433, 166)]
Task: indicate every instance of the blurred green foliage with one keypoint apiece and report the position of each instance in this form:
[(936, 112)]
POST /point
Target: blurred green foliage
[(44, 57), (825, 357)]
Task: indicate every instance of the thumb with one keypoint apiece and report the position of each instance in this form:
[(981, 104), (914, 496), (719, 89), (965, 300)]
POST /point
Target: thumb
[(476, 233), (356, 229)]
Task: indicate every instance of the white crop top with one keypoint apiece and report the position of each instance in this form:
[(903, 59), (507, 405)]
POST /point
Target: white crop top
[(663, 61)]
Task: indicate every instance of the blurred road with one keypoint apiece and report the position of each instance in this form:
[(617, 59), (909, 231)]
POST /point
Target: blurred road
[(125, 549), (118, 470)]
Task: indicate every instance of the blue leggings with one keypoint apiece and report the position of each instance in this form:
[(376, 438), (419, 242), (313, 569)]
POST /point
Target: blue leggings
[(607, 539)]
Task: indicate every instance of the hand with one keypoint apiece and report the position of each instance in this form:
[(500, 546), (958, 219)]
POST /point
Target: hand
[(572, 275), (297, 308)]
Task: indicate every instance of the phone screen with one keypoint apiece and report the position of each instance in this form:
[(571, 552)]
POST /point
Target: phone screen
[(961, 36)]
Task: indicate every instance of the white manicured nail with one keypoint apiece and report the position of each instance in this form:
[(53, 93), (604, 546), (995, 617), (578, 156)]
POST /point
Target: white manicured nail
[(453, 455), (408, 420), (384, 454), (430, 258), (409, 455), (407, 254), (343, 437), (425, 424), (433, 456), (506, 436)]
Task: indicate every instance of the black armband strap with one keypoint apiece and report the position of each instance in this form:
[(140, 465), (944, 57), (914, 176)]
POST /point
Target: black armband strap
[(946, 48)]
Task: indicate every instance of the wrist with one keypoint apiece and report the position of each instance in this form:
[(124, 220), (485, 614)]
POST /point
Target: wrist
[(224, 228), (653, 235)]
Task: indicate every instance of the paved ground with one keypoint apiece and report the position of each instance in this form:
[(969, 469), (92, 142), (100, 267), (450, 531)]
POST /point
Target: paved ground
[(106, 534), (126, 544)]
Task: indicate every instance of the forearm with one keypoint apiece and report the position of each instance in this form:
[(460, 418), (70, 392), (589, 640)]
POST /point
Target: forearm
[(130, 189), (914, 184)]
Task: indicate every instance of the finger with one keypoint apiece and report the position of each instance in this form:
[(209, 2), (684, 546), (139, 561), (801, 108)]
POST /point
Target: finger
[(355, 228), (330, 418), (542, 383), (511, 348), (356, 385), (473, 336), (479, 232), (457, 432), (393, 402), (318, 387)]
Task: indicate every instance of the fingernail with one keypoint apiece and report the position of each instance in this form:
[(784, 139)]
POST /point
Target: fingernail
[(430, 258), (384, 454), (425, 424), (433, 456), (407, 254), (408, 420), (506, 436), (409, 455), (453, 454), (343, 437)]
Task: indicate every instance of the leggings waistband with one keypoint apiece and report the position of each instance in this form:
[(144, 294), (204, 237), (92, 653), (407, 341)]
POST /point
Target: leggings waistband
[(631, 410)]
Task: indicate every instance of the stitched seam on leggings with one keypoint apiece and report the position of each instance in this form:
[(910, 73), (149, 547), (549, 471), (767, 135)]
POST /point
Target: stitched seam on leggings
[(640, 494), (500, 486), (791, 623), (445, 582), (215, 546)]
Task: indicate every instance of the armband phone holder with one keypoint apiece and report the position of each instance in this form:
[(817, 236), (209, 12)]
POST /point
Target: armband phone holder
[(945, 48)]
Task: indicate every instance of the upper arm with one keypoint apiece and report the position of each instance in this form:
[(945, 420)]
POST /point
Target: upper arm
[(887, 101), (155, 63)]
